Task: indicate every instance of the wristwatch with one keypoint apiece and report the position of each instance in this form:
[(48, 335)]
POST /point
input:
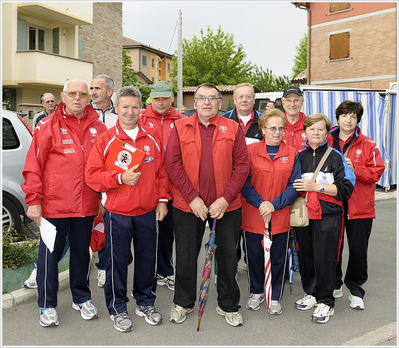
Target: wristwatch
[(322, 188)]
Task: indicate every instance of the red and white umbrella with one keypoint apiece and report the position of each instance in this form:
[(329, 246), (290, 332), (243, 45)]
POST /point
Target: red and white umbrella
[(266, 244)]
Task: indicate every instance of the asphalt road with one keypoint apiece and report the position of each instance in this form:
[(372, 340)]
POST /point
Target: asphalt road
[(293, 327)]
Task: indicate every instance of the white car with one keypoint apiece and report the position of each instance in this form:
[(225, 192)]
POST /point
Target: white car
[(17, 136)]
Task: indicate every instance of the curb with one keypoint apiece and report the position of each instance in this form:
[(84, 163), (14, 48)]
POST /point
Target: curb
[(22, 295), (374, 338)]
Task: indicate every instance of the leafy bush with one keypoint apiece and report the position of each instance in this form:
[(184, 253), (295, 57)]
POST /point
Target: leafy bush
[(17, 252)]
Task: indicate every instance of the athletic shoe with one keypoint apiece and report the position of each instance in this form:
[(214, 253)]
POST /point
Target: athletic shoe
[(169, 281), (307, 302), (275, 308), (337, 293), (322, 313), (232, 318), (356, 302), (122, 322), (178, 314), (48, 317), (254, 301), (101, 278), (87, 310), (30, 283), (149, 313)]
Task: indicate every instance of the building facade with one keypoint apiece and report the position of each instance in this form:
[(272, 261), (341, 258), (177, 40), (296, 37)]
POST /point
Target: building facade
[(352, 44), (150, 64), (46, 43)]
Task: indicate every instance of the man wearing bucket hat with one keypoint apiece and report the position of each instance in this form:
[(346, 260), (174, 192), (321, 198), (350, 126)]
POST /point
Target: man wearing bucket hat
[(160, 116), (292, 103)]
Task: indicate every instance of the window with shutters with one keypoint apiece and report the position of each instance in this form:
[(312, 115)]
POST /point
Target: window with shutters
[(339, 46), (339, 6), (36, 39), (56, 40), (144, 60)]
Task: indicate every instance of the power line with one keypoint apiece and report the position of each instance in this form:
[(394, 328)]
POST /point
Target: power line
[(172, 37)]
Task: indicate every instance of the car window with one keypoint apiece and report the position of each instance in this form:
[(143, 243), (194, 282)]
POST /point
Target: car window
[(10, 138)]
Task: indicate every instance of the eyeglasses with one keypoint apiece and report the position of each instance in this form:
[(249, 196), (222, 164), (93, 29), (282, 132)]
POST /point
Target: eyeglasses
[(212, 99), (73, 94), (274, 129), (290, 101)]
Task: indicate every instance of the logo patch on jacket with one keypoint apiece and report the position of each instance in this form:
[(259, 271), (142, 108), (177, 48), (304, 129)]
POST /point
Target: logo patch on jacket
[(223, 129), (93, 131), (69, 150), (147, 149), (67, 141), (150, 124), (64, 130), (284, 159), (123, 160)]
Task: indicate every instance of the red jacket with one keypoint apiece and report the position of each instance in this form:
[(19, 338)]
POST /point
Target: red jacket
[(162, 124), (269, 178), (151, 187), (369, 166), (293, 134), (225, 168), (55, 165)]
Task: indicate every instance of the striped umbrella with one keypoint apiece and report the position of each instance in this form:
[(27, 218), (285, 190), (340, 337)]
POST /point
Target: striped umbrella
[(266, 244), (206, 274)]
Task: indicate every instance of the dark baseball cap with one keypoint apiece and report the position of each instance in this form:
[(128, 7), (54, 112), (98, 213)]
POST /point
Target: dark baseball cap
[(292, 89)]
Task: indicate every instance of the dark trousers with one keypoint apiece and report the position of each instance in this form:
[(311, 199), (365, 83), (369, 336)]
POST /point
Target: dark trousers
[(318, 251), (244, 249), (358, 233), (120, 231), (165, 244), (189, 231), (256, 263), (78, 231)]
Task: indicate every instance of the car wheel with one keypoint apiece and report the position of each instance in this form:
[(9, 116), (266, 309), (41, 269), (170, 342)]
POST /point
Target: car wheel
[(10, 214)]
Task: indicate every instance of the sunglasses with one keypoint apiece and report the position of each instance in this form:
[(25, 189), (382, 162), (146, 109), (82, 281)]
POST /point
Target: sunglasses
[(73, 94)]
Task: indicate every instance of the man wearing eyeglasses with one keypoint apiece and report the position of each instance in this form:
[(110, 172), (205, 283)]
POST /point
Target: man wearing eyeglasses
[(207, 162), (292, 104), (48, 102), (56, 190)]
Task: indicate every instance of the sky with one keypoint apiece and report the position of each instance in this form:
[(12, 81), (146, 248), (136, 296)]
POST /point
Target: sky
[(269, 31)]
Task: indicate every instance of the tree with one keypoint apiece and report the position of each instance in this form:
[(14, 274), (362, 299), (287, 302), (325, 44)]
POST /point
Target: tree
[(129, 77), (267, 82), (301, 57), (212, 58)]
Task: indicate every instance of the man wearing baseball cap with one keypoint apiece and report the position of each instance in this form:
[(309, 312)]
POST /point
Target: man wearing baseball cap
[(160, 116), (292, 103)]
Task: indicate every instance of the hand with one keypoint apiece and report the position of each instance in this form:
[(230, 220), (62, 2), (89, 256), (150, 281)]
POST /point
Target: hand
[(350, 164), (161, 211), (101, 210), (218, 208), (130, 177), (267, 218), (199, 208), (305, 185), (266, 208), (35, 213)]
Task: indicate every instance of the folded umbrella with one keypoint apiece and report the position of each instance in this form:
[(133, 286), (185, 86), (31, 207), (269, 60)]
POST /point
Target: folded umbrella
[(266, 244), (206, 274)]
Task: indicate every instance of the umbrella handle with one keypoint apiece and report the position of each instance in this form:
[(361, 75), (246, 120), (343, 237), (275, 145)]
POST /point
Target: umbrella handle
[(266, 225), (214, 224)]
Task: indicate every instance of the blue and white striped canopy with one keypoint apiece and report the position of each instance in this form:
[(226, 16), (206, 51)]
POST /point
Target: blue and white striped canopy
[(378, 121)]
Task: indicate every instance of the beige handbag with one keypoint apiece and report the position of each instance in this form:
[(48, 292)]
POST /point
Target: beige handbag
[(299, 211)]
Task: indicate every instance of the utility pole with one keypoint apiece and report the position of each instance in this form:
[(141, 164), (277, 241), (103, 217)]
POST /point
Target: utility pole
[(179, 62)]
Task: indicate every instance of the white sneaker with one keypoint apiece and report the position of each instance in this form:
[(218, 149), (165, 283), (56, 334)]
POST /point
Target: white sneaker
[(101, 278), (232, 318), (275, 308), (307, 302), (356, 302), (322, 313), (337, 293), (30, 283), (87, 310), (254, 301), (178, 314)]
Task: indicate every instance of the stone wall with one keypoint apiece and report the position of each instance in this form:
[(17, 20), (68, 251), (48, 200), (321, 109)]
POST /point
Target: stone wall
[(102, 41)]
